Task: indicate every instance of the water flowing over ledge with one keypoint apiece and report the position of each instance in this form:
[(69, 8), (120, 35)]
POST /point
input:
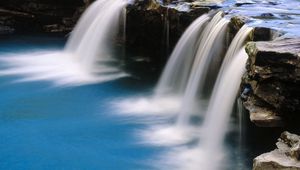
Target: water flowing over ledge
[(194, 144), (87, 57)]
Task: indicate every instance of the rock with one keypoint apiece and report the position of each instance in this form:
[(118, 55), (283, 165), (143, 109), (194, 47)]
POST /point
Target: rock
[(149, 23), (273, 75), (236, 23), (285, 157), (261, 113), (244, 2), (263, 34), (40, 15), (278, 59)]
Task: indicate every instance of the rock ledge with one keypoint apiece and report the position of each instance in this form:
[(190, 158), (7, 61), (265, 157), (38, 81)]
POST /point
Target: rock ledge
[(286, 157)]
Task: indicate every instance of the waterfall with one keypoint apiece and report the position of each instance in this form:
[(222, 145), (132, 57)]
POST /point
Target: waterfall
[(173, 79), (211, 45), (224, 95), (89, 39), (225, 89), (220, 106), (208, 152), (223, 99), (86, 58)]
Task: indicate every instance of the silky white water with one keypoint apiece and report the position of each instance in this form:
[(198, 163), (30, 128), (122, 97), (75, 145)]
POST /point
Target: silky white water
[(225, 90), (220, 107), (210, 48), (216, 121), (173, 80), (86, 54), (90, 38)]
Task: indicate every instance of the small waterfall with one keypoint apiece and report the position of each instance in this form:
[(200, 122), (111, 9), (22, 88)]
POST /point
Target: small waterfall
[(224, 95), (211, 45), (173, 79), (76, 64), (220, 106), (89, 38), (223, 99)]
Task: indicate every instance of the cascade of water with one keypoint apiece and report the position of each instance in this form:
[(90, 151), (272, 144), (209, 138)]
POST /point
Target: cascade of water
[(224, 94), (89, 38), (174, 79), (124, 34), (221, 104), (75, 65), (210, 47), (124, 24)]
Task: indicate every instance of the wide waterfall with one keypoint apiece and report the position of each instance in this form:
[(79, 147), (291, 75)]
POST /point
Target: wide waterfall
[(211, 133), (200, 54), (86, 58)]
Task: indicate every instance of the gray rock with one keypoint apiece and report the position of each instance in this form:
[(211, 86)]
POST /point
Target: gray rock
[(273, 75), (40, 15), (261, 113), (279, 59), (285, 157)]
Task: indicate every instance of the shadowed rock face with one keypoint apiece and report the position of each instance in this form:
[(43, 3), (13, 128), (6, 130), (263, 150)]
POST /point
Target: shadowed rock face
[(154, 28), (273, 75), (39, 15), (285, 157)]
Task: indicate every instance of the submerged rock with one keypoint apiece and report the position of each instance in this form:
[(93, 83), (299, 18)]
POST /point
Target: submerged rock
[(285, 157), (273, 75)]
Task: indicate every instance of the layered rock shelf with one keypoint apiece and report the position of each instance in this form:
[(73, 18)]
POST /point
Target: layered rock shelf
[(271, 83)]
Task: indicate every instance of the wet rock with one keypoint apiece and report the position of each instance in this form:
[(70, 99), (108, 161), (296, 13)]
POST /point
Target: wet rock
[(273, 75), (262, 34), (285, 157), (40, 15), (276, 59), (236, 23), (261, 113), (154, 28), (244, 2)]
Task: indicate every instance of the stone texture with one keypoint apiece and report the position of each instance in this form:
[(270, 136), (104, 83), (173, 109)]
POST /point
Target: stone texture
[(285, 157), (39, 15), (147, 23), (273, 79)]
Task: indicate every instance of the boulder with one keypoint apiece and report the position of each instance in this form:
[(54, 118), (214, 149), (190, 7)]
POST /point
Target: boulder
[(273, 79), (285, 157)]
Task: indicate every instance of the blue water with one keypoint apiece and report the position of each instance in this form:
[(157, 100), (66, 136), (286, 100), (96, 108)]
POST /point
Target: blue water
[(46, 127)]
